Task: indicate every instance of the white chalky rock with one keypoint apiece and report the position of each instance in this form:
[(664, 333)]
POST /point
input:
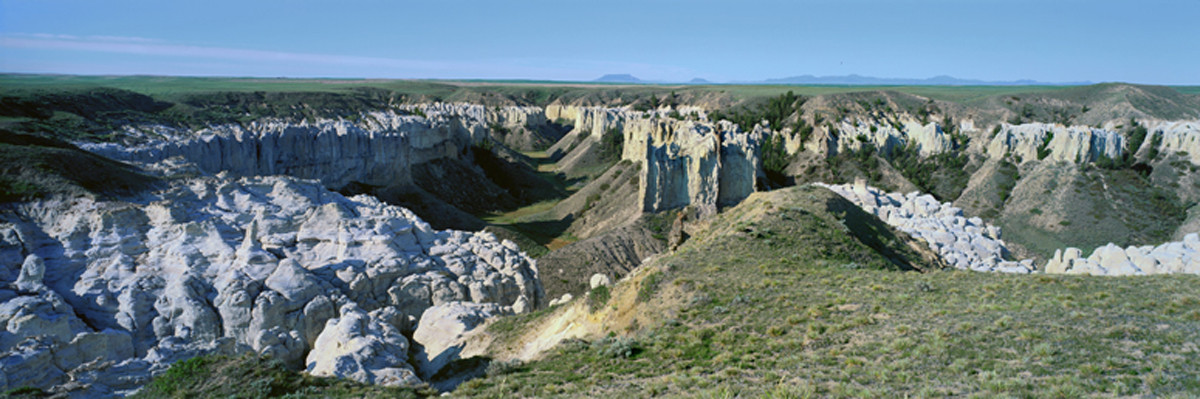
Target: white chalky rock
[(966, 243), (362, 347), (599, 280), (442, 332), (214, 265), (562, 300), (33, 271), (1073, 144), (1111, 260)]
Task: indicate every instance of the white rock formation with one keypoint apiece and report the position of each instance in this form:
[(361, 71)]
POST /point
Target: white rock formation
[(965, 243), (379, 149), (443, 331), (1111, 260), (684, 162), (1074, 144), (692, 163), (969, 243), (599, 280), (1173, 138), (219, 265), (562, 300), (928, 139), (363, 347)]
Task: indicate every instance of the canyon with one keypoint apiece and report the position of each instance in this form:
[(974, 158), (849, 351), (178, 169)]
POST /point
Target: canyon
[(301, 239)]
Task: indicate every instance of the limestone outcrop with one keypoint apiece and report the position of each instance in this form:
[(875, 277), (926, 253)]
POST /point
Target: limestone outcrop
[(112, 292), (928, 139), (686, 161), (362, 346), (443, 332), (1056, 143), (964, 242), (703, 165), (1173, 137), (380, 148), (1111, 260)]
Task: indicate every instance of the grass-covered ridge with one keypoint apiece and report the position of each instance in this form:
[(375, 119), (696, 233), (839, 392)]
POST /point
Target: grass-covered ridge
[(780, 299)]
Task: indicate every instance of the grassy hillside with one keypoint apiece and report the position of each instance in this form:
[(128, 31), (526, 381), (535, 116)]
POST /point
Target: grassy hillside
[(781, 300), (1059, 206), (794, 294), (36, 167)]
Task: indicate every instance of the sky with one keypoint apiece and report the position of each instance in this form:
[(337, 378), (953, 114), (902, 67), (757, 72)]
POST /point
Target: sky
[(1137, 41)]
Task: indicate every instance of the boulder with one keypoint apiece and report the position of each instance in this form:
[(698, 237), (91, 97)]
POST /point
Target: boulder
[(362, 347), (443, 330), (599, 280), (33, 271)]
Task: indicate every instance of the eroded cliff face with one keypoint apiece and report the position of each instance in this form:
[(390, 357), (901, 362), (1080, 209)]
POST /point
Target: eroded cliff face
[(105, 294), (693, 163), (1055, 143), (928, 139), (1173, 137), (685, 161), (379, 150)]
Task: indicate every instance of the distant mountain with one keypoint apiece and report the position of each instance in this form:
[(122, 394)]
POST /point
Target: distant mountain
[(618, 78), (941, 80), (698, 81)]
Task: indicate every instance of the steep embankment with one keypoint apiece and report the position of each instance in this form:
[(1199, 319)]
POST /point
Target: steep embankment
[(276, 266)]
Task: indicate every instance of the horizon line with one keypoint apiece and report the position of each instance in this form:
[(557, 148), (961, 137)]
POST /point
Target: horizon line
[(765, 82)]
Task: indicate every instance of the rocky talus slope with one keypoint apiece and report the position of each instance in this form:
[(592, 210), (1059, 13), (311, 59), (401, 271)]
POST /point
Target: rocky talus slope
[(964, 242), (970, 243), (1112, 260), (95, 297)]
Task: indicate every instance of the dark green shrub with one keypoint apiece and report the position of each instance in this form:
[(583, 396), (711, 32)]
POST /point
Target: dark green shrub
[(597, 298), (649, 286), (1043, 150), (612, 143)]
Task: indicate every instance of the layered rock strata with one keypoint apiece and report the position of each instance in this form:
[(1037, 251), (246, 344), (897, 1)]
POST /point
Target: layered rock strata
[(928, 139), (379, 148), (105, 294), (691, 163)]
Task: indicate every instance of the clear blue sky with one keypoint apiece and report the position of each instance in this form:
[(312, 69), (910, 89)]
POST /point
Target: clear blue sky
[(1141, 41)]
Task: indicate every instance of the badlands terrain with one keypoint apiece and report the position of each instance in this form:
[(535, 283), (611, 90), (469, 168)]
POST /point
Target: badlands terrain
[(190, 237)]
